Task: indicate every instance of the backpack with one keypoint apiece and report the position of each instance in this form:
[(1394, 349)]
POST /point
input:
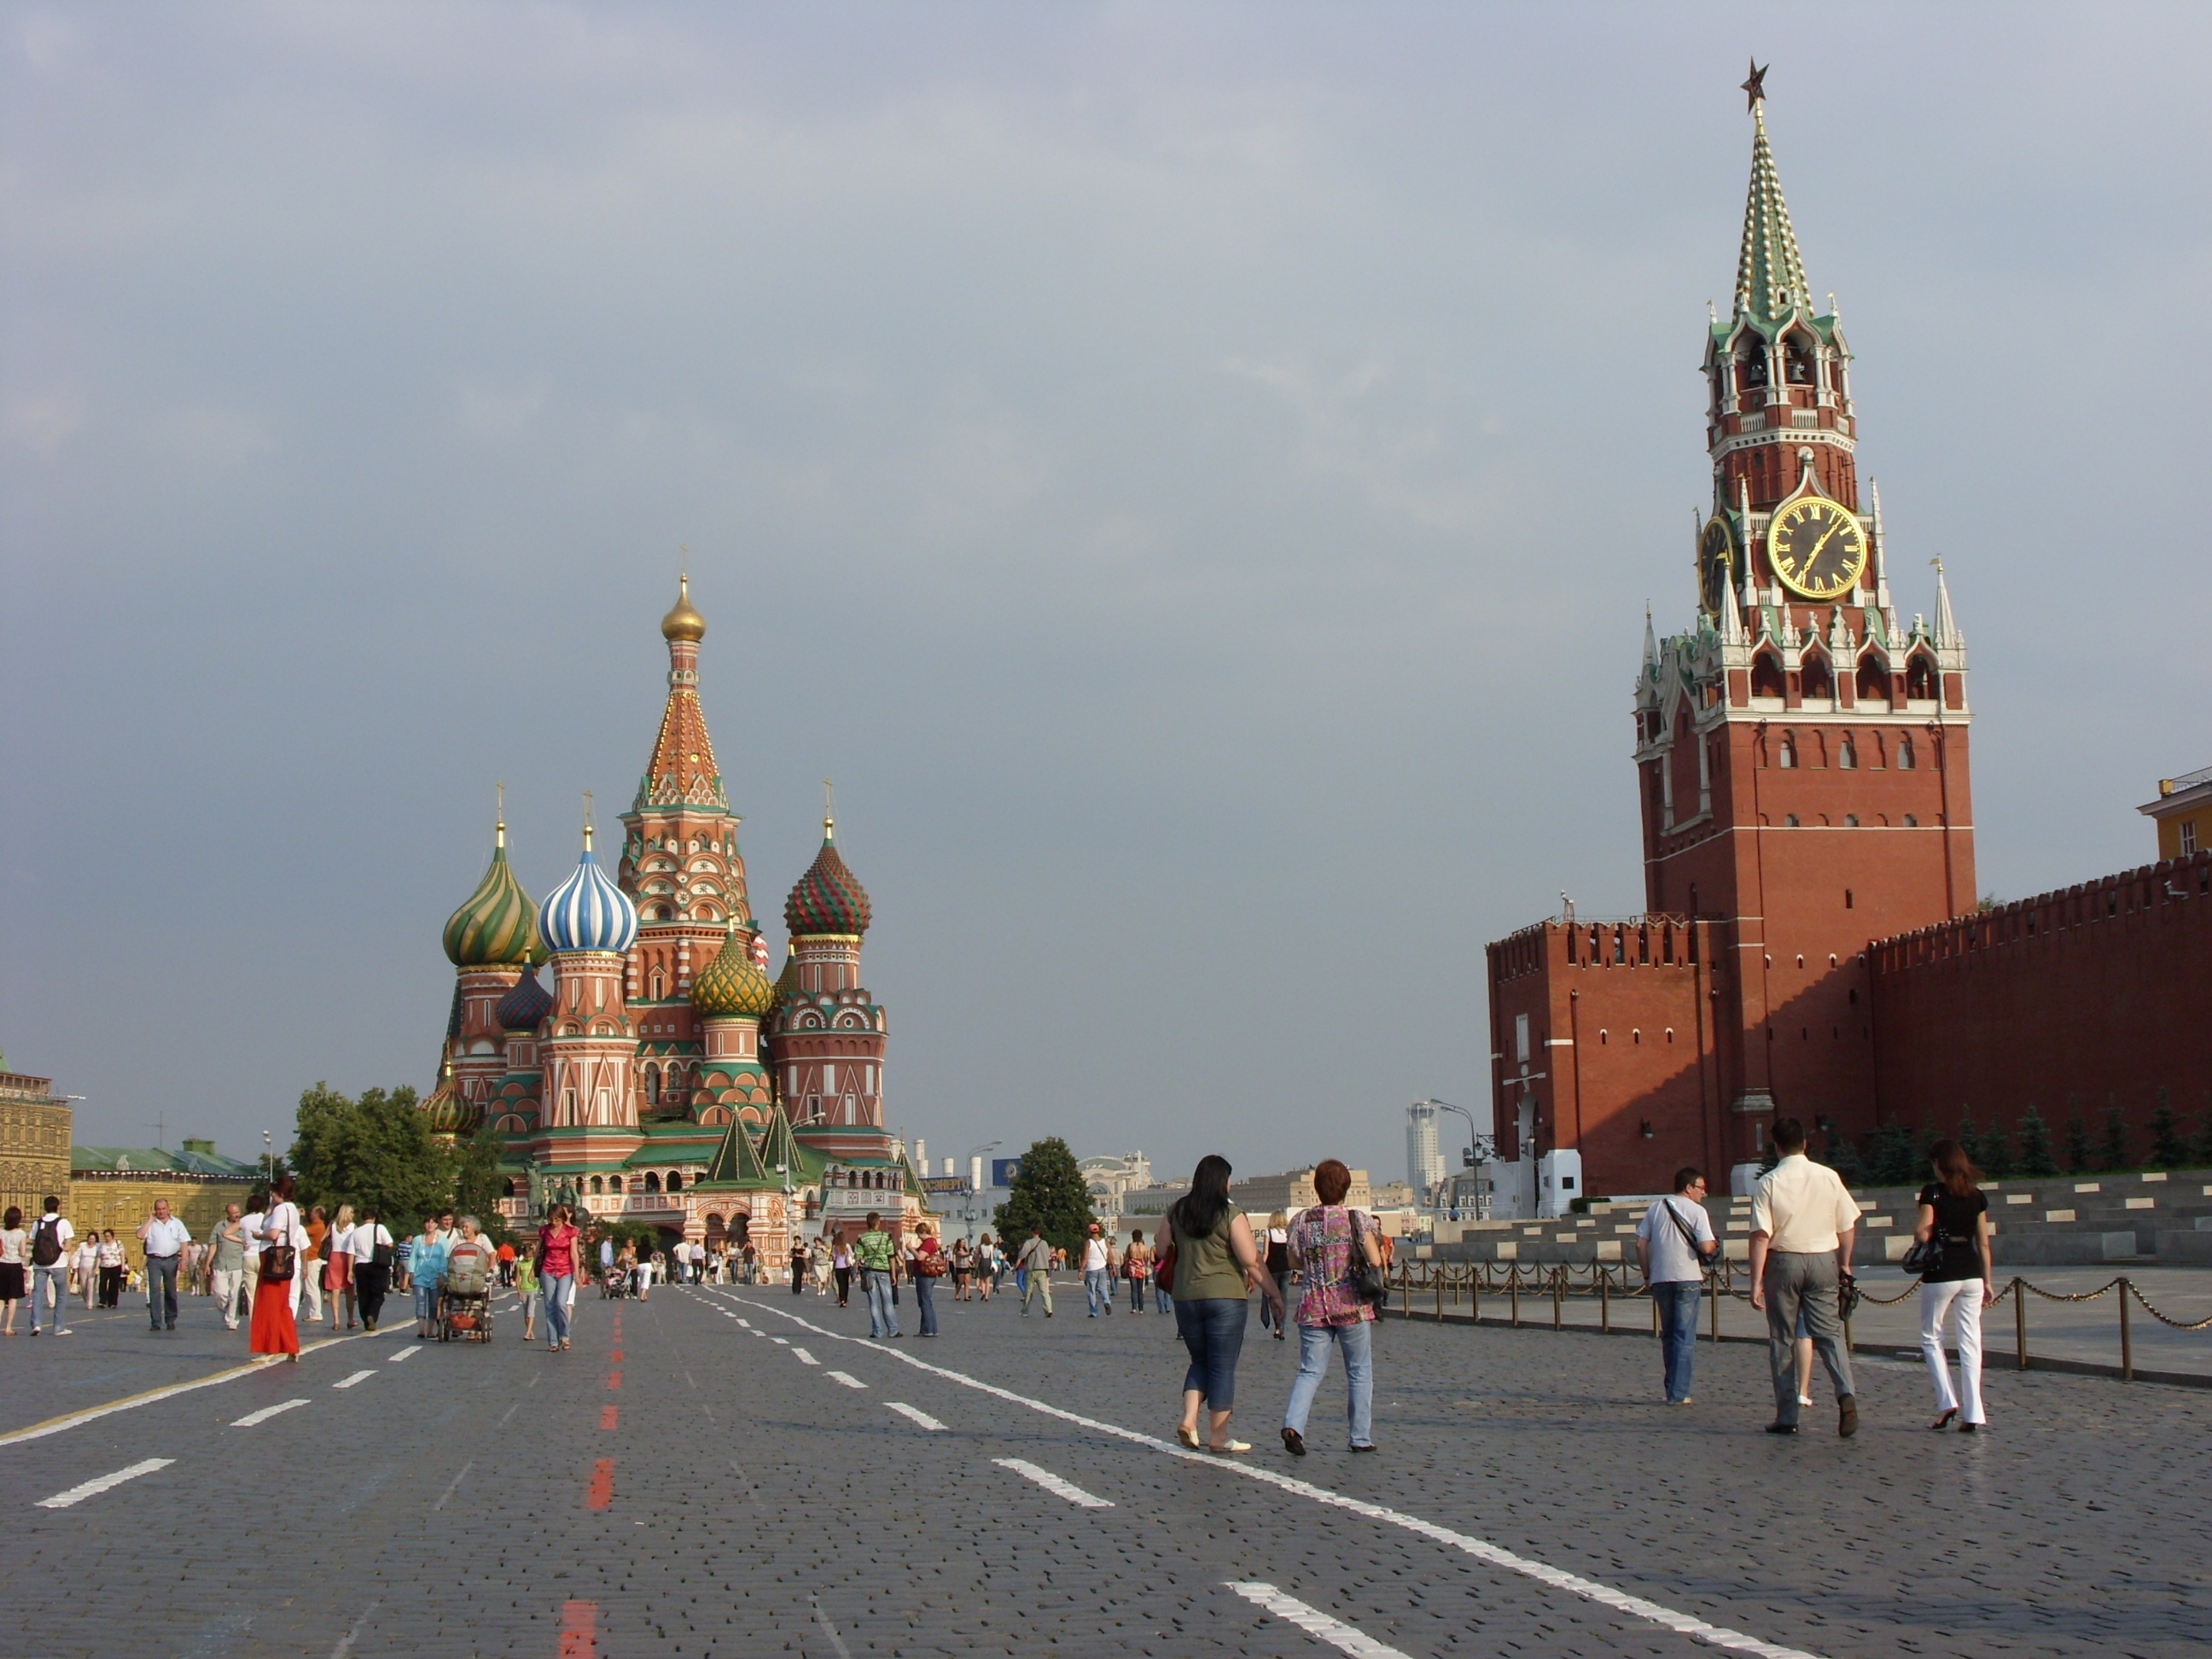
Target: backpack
[(46, 1242)]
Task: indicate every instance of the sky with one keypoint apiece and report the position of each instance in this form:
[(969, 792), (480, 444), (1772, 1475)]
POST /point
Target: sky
[(1193, 475)]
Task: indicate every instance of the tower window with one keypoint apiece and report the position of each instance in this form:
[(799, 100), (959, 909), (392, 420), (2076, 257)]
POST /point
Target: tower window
[(2188, 836), (1815, 679), (1920, 678), (1851, 820), (1790, 819), (1847, 898), (1873, 679), (1766, 675), (1787, 757), (1906, 759), (1847, 756)]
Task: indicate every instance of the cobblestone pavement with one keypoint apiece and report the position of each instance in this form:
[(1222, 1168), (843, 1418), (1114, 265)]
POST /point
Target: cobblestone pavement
[(734, 1472)]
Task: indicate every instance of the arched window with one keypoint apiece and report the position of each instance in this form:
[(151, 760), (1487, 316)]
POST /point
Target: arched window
[(614, 1184), (651, 1182), (1786, 756), (1790, 819), (598, 1185), (1797, 362), (1851, 820), (653, 1085), (660, 985), (1920, 678), (1873, 679), (674, 1181), (1815, 679), (506, 1187), (1755, 364), (1912, 821), (1766, 675), (1847, 755), (1906, 760)]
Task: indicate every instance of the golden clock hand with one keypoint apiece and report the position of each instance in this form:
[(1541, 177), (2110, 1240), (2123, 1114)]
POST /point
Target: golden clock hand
[(1822, 543)]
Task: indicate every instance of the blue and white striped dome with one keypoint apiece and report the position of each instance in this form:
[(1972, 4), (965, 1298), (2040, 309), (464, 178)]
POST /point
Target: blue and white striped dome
[(588, 912)]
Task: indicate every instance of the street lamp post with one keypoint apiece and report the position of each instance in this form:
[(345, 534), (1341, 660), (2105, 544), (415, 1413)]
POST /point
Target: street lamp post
[(268, 1160), (1481, 1149)]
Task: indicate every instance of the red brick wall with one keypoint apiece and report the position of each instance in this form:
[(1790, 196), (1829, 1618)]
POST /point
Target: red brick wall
[(2062, 1002)]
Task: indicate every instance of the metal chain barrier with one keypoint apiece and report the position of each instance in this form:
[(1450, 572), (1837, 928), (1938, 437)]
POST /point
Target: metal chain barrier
[(1603, 1281)]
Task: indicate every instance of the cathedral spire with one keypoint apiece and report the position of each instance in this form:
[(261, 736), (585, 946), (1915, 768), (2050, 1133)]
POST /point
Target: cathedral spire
[(1947, 637), (1770, 276), (682, 772)]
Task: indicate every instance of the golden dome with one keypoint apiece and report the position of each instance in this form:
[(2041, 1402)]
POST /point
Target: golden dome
[(683, 623)]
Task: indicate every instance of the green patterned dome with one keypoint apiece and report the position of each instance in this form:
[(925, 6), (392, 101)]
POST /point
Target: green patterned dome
[(829, 898), (449, 1113), (498, 926), (733, 986)]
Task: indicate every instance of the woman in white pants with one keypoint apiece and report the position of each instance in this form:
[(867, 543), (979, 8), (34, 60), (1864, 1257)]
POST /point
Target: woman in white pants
[(1955, 1211)]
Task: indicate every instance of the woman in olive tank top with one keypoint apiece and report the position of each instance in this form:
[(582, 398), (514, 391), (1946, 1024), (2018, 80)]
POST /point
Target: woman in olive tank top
[(1217, 1266)]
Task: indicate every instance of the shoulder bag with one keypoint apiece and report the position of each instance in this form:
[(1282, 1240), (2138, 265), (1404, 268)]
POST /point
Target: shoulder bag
[(1368, 1282), (1926, 1256), (1164, 1267), (1689, 1235), (278, 1260)]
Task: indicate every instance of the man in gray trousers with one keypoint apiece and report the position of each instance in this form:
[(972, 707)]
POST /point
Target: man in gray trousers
[(1803, 1223)]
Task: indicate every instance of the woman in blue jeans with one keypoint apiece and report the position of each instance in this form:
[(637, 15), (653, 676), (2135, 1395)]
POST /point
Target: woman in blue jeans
[(1325, 1244), (1217, 1268)]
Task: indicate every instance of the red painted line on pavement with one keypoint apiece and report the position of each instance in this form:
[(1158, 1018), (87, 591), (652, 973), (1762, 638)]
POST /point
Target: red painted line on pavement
[(601, 1494), (607, 1417), (579, 1630), (614, 1379), (616, 1356)]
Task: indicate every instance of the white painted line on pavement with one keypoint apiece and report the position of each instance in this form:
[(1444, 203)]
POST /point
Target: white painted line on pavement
[(1053, 1484), (784, 1341), (1314, 1622), (404, 1353), (847, 1379), (1635, 1607), (62, 1500), (346, 1642), (358, 1376), (131, 1402), (265, 1414), (456, 1481), (803, 1358), (921, 1420)]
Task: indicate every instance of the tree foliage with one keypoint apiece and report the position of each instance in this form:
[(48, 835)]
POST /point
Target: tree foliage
[(477, 1184), (2113, 1154), (2077, 1144), (1048, 1192), (374, 1152), (2167, 1150), (2035, 1158), (1995, 1160)]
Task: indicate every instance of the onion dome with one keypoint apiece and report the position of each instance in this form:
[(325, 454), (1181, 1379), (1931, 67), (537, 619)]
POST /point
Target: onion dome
[(498, 926), (683, 623), (732, 985), (449, 1113), (589, 912), (786, 982), (523, 1007), (829, 898)]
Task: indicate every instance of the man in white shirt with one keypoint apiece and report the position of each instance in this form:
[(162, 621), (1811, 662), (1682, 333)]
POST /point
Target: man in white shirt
[(165, 1238), (1673, 1243), (251, 1226), (50, 1266), (1097, 1283), (1803, 1223)]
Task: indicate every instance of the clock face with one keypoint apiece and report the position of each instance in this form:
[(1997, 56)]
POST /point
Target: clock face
[(1817, 548), (1715, 564)]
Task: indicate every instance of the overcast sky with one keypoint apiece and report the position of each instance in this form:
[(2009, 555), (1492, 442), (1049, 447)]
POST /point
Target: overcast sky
[(1192, 474)]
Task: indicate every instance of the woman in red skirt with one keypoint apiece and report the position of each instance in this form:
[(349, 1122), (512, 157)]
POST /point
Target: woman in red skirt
[(275, 1330)]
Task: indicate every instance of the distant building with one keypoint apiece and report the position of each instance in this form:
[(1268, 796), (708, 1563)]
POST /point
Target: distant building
[(2183, 812), (1111, 1179), (1263, 1194), (1425, 1157), (1152, 1200), (34, 1142), (116, 1186)]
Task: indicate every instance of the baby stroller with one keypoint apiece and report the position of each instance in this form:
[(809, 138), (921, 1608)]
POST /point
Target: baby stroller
[(464, 1307), (615, 1281)]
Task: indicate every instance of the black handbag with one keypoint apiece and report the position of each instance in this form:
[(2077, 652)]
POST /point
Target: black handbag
[(1371, 1283), (1847, 1298)]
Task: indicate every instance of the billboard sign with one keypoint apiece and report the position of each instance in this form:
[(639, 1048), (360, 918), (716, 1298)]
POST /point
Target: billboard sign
[(1004, 1170), (944, 1184)]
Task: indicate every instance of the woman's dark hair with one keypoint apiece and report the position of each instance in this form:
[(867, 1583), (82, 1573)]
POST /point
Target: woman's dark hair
[(281, 1187), (14, 1219), (1332, 1181), (1199, 1211), (1960, 1177), (1136, 1236)]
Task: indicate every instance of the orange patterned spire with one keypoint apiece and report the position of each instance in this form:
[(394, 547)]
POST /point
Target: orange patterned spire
[(683, 772)]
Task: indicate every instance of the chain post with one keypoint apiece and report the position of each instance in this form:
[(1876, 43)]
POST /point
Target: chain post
[(2020, 1321), (2127, 1337), (1513, 1289), (1558, 1295), (1474, 1299), (1715, 1283), (1604, 1300)]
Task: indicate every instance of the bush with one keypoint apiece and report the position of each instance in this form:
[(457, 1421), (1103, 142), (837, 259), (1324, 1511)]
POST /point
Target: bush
[(2167, 1150), (1996, 1154), (2114, 1155), (2077, 1147), (2035, 1158)]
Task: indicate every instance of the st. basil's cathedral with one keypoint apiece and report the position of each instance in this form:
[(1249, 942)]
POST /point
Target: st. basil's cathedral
[(662, 1077)]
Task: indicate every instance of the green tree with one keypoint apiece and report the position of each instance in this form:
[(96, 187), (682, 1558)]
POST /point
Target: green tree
[(2035, 1158), (2077, 1144), (477, 1184), (1970, 1139), (2113, 1154), (2167, 1150), (374, 1152), (2203, 1153), (1997, 1152), (1049, 1193)]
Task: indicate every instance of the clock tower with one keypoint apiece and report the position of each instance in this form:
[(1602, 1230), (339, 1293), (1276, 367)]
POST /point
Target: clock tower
[(1802, 749)]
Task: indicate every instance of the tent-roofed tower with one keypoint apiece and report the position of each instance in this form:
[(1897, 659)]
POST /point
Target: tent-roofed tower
[(681, 866)]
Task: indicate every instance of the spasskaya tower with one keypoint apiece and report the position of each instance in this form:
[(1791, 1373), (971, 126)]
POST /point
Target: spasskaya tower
[(1802, 754)]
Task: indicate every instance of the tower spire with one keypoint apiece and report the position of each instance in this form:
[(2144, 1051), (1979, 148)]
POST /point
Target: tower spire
[(1770, 275), (1947, 637), (682, 772)]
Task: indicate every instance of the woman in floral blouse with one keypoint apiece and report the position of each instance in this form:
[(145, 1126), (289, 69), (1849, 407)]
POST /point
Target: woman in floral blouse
[(1330, 1309)]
